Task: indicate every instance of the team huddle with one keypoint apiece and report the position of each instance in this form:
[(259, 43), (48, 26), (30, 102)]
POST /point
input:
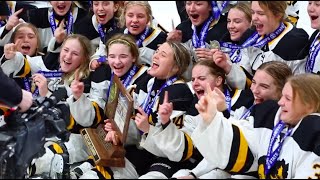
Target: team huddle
[(231, 92)]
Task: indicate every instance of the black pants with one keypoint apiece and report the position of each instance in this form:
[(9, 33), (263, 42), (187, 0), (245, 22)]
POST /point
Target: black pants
[(145, 162), (140, 158)]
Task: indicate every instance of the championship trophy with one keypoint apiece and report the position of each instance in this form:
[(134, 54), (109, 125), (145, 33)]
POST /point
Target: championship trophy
[(119, 110)]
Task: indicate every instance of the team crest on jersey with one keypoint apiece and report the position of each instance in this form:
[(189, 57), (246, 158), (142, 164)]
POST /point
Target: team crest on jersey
[(278, 171)]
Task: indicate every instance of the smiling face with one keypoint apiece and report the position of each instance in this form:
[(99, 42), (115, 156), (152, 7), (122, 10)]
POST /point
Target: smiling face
[(263, 87), (198, 11), (264, 20), (71, 55), (27, 41), (292, 108), (314, 13), (104, 10), (237, 24), (200, 77), (136, 19), (61, 7), (120, 58), (163, 63)]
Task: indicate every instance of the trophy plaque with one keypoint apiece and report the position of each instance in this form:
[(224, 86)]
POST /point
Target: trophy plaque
[(119, 109)]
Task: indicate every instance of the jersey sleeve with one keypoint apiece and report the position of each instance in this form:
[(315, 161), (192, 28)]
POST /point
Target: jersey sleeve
[(225, 145)]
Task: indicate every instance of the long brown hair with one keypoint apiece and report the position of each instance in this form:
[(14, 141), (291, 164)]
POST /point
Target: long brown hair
[(213, 68), (127, 40), (181, 57), (279, 71), (307, 87), (277, 8)]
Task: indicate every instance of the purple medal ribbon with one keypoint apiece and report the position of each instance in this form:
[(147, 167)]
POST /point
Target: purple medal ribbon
[(249, 42), (47, 74), (53, 24), (102, 34), (247, 113), (252, 41), (27, 83), (228, 99), (200, 42), (272, 156), (129, 77), (126, 81), (216, 13), (51, 74), (147, 105), (102, 59), (142, 36), (314, 51), (3, 23), (216, 10), (270, 36)]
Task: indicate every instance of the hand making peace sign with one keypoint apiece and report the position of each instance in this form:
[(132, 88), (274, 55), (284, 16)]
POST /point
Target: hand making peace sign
[(60, 33)]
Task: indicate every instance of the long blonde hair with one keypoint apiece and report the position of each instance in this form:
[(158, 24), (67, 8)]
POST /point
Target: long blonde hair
[(145, 4), (86, 51)]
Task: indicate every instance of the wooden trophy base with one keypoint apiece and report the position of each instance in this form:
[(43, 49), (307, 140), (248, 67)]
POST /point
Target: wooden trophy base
[(104, 153)]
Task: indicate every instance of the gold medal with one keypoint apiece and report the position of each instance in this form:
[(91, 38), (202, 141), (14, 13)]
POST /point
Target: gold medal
[(214, 44)]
